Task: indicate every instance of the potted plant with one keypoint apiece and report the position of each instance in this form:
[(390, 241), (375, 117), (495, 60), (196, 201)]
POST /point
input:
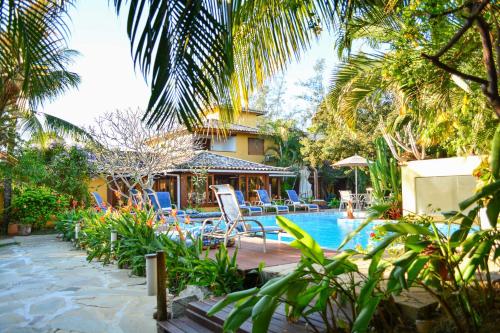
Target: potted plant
[(24, 228), (12, 229)]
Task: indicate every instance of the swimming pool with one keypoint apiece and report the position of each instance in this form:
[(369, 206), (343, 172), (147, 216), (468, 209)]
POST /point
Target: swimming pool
[(328, 231)]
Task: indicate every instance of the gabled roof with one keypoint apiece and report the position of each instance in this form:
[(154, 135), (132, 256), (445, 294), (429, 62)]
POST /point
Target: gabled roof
[(211, 162)]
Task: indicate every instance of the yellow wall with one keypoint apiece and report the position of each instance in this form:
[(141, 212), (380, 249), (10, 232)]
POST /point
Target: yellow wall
[(429, 185), (242, 148), (244, 118), (99, 185), (248, 119)]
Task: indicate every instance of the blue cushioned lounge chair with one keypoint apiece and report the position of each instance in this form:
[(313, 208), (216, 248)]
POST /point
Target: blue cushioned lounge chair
[(293, 200), (232, 224), (99, 201), (244, 205), (162, 203), (265, 202)]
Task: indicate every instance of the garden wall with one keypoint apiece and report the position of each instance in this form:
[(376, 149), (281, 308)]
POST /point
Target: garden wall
[(438, 184)]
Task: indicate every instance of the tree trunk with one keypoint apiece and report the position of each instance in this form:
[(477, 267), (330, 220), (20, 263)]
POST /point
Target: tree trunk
[(7, 182), (7, 199)]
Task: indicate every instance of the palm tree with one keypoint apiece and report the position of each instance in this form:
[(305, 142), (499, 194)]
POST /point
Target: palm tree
[(33, 60), (285, 137), (427, 103)]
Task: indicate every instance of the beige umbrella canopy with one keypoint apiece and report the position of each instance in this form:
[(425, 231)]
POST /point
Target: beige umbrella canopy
[(354, 161)]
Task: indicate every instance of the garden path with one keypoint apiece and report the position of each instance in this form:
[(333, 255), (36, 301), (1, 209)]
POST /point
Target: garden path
[(48, 286)]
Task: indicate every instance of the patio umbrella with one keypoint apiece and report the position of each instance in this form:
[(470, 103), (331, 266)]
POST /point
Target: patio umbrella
[(305, 188), (354, 161)]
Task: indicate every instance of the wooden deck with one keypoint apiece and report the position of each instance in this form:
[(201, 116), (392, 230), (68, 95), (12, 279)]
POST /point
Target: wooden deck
[(251, 253), (196, 320)]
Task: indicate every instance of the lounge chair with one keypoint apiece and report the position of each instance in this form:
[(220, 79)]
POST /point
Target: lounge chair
[(265, 202), (245, 205), (99, 202), (293, 200), (162, 203), (232, 224)]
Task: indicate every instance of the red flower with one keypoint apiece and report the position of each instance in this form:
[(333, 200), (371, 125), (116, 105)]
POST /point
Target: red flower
[(372, 235)]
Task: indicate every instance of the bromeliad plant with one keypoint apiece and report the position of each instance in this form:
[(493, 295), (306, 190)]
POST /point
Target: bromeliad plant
[(385, 174)]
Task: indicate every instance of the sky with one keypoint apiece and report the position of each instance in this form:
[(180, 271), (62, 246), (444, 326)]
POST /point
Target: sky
[(109, 80)]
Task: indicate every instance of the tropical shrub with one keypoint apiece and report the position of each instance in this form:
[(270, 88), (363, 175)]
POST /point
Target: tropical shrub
[(63, 169), (385, 174), (96, 236), (137, 238), (137, 229), (334, 203), (219, 274), (37, 205), (66, 221), (451, 268)]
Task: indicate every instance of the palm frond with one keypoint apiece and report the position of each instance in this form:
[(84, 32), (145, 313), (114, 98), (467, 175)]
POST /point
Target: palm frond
[(64, 128), (352, 83), (33, 56), (197, 54)]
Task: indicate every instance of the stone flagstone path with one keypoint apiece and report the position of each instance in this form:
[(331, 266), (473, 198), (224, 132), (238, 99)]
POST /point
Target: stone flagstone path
[(48, 286)]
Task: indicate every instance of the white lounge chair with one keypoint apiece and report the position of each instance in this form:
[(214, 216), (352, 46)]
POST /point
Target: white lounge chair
[(232, 224)]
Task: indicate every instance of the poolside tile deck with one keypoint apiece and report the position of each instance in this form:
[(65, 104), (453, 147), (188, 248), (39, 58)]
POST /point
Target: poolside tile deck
[(251, 254)]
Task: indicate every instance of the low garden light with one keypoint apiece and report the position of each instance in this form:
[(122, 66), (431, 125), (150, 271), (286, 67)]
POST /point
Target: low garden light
[(78, 228), (151, 278), (114, 237)]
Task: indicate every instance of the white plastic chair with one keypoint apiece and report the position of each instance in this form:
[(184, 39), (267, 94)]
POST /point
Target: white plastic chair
[(345, 197)]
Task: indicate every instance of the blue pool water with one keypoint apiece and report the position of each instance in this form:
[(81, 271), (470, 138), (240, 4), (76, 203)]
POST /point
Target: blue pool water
[(327, 231)]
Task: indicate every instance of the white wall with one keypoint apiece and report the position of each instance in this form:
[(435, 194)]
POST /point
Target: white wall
[(430, 185)]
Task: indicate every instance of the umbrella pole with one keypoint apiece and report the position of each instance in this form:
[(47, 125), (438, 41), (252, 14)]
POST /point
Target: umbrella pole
[(356, 181)]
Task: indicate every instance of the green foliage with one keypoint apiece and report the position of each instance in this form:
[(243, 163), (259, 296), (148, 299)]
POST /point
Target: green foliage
[(452, 267), (319, 285), (65, 170), (37, 205), (286, 136), (385, 174), (66, 221), (96, 236), (138, 235), (334, 203), (445, 116)]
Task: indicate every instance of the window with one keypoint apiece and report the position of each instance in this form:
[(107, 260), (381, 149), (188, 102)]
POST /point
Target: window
[(255, 146), (224, 144)]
